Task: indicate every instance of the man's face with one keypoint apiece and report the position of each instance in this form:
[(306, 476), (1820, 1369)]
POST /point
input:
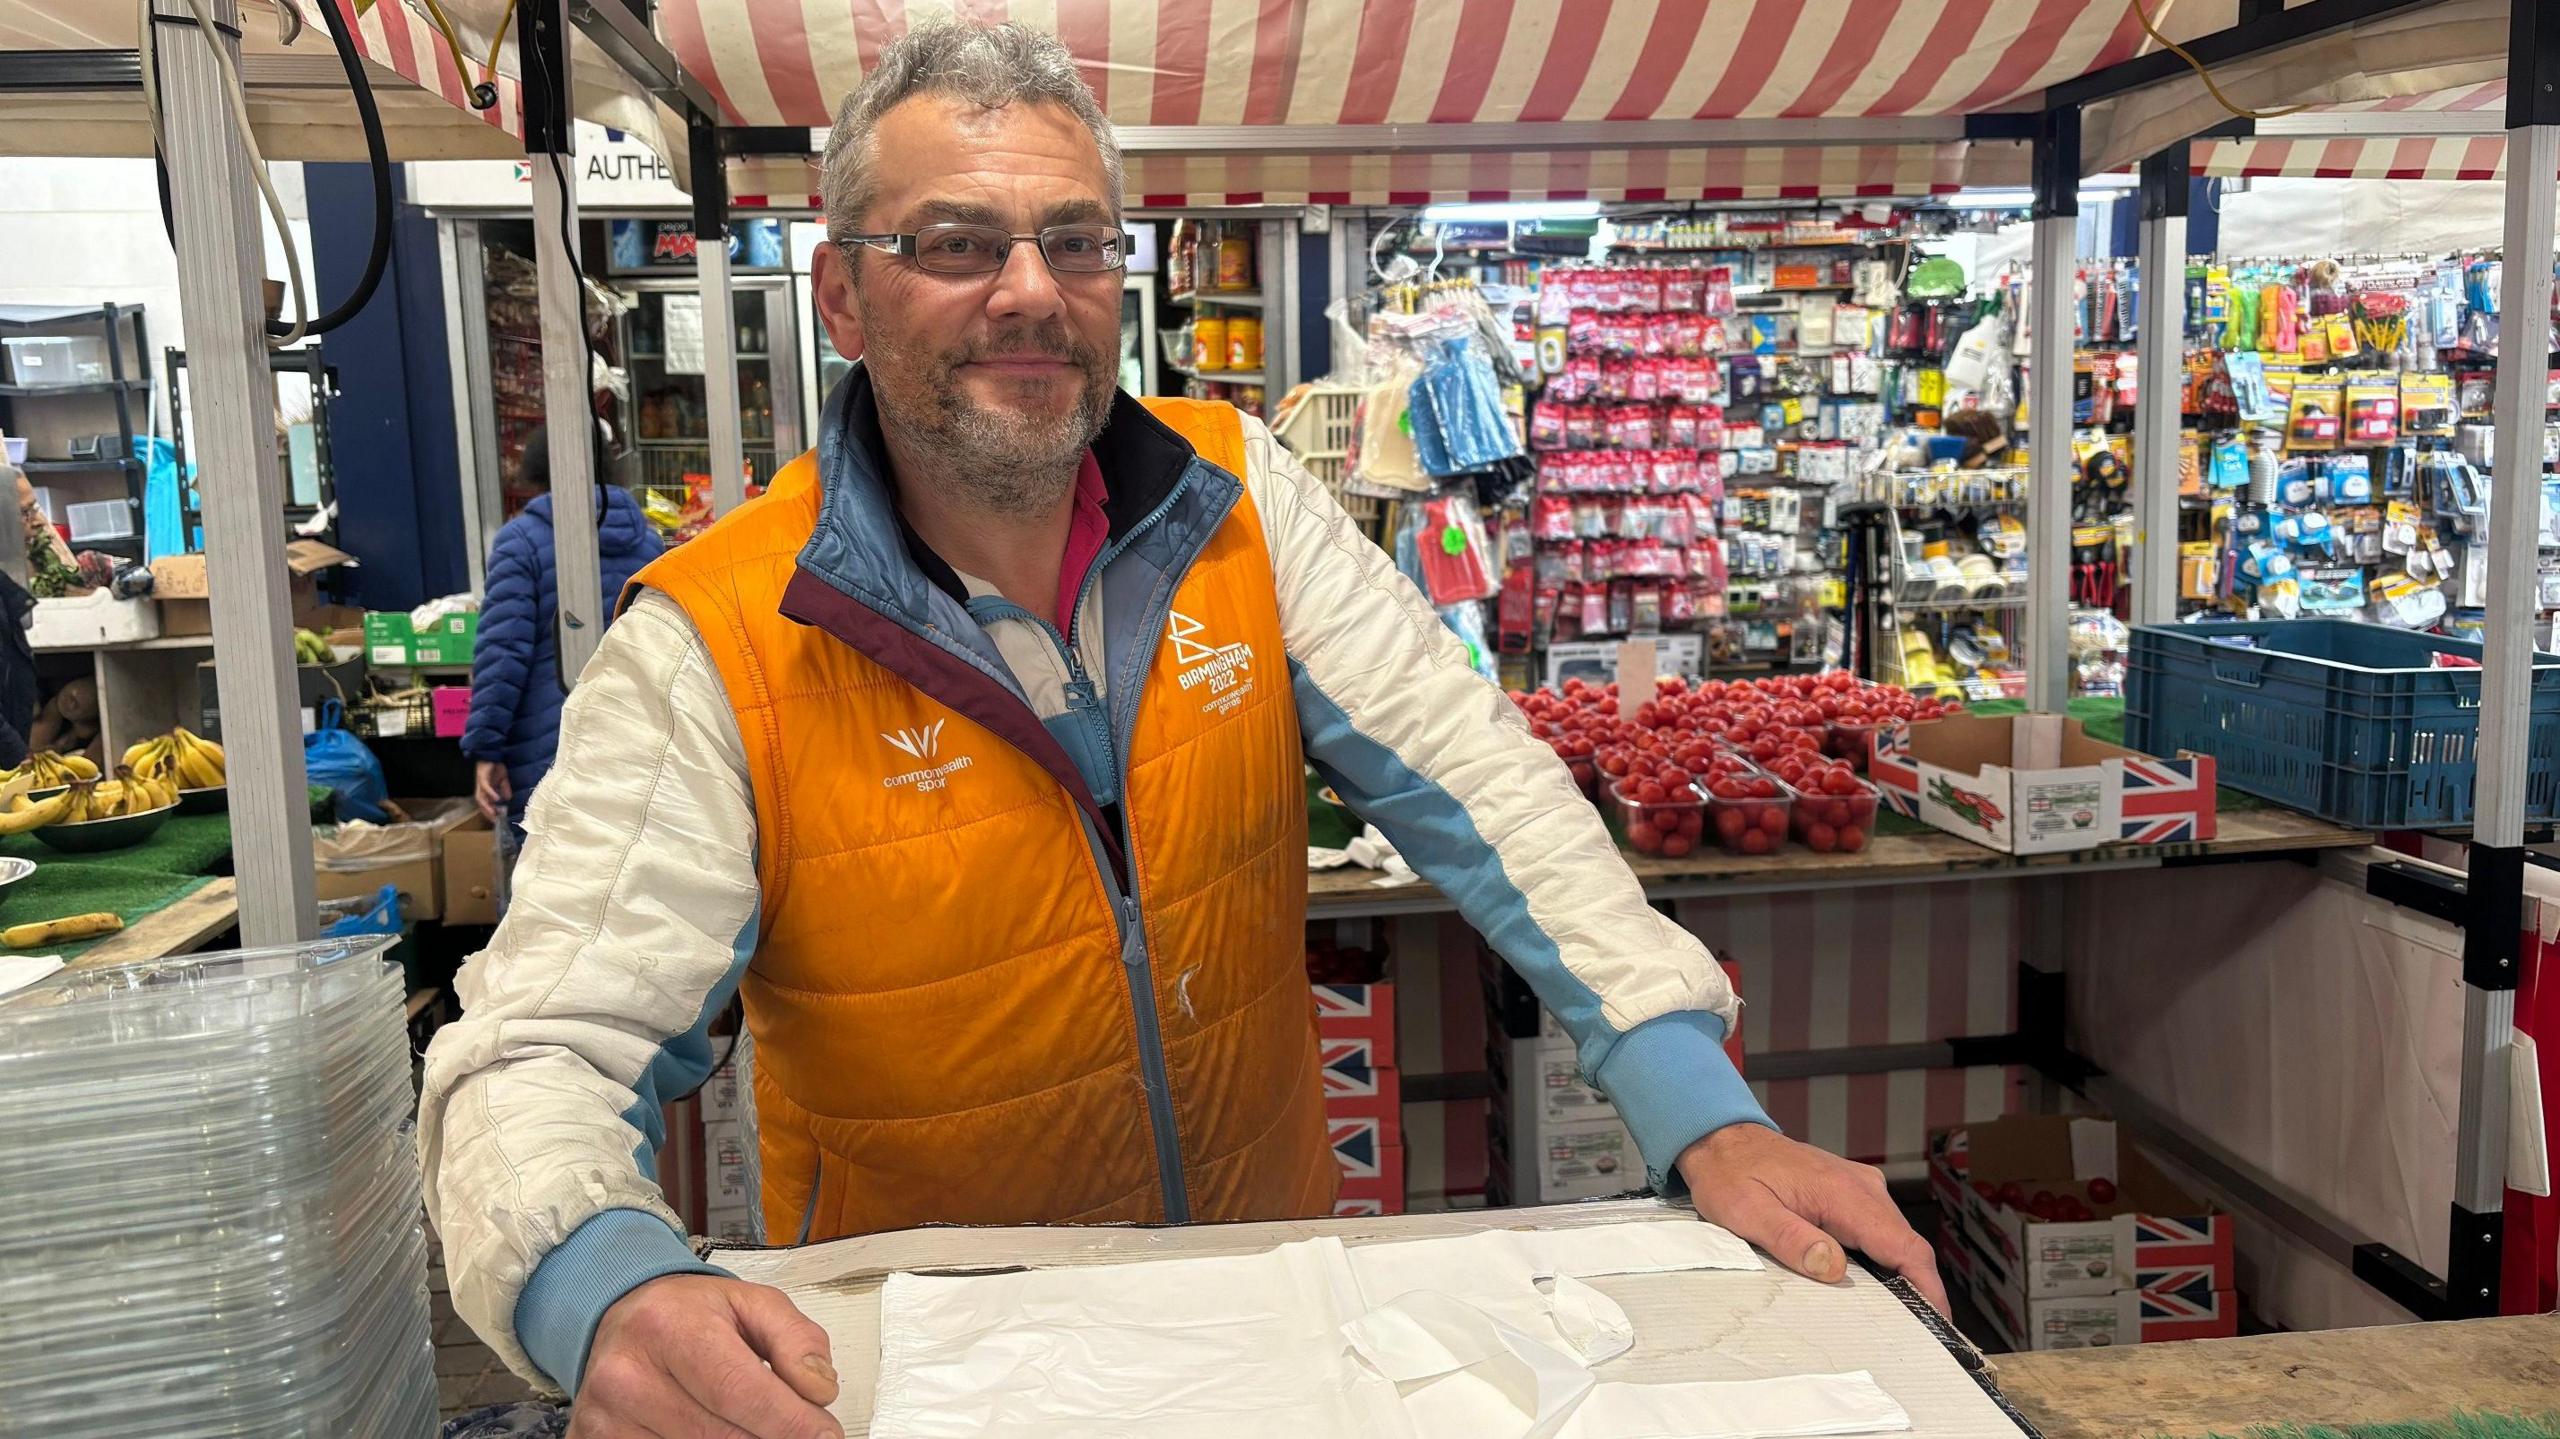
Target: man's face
[(1008, 374)]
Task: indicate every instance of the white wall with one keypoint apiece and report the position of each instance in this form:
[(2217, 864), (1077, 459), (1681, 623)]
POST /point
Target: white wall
[(87, 232)]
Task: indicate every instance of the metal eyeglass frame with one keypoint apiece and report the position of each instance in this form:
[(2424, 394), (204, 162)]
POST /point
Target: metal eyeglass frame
[(909, 246)]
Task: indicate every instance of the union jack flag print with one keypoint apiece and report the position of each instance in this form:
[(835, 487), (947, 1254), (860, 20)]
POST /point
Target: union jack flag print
[(1351, 1069), (2184, 1304), (2167, 801), (1895, 772), (1359, 1147)]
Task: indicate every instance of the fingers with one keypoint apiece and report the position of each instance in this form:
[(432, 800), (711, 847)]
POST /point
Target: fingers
[(617, 1390), (794, 1344), (1748, 1208), (1865, 1217), (728, 1378)]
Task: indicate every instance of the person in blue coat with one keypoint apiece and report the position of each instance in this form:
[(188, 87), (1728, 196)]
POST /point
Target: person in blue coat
[(516, 684)]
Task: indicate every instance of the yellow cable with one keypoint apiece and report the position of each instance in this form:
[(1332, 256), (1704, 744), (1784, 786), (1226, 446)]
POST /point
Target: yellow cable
[(452, 42), (2142, 12), (497, 38)]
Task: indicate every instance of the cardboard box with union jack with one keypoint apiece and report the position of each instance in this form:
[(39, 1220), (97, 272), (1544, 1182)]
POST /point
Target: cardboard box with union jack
[(2038, 784)]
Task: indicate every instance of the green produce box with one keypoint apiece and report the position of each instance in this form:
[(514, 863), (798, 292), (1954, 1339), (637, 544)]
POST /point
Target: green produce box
[(388, 638), (448, 641)]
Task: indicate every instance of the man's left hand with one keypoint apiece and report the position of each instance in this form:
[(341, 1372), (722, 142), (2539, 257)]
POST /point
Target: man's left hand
[(1804, 1205)]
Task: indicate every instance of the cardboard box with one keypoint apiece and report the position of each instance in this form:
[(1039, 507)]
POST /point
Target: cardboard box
[(351, 861), (471, 873), (1384, 1187), (724, 1099), (185, 590), (448, 641), (1564, 1162), (388, 638), (1357, 1087), (728, 1167), (2038, 784), (1359, 1011), (2150, 1232), (1543, 1087), (731, 1224)]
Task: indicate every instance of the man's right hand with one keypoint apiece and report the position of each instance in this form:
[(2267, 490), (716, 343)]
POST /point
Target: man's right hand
[(694, 1354), (491, 790)]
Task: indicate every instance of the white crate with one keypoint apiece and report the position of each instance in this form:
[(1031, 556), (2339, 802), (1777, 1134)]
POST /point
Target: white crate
[(1319, 425), (100, 520)]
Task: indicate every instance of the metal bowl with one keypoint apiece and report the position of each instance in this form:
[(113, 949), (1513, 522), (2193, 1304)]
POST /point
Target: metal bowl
[(13, 869), (212, 799), (91, 835)]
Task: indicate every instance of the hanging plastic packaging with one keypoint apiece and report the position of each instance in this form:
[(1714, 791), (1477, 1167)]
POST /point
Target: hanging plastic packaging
[(1458, 423), (1454, 555), (338, 761)]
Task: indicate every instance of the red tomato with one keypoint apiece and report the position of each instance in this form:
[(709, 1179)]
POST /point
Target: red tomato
[(2013, 1195), (1693, 821), (1773, 822), (1808, 741), (1646, 838), (2102, 1191), (1730, 824), (1765, 788), (1764, 749), (1757, 841), (1650, 792), (1675, 779), (1729, 789), (2046, 1205), (2069, 1210), (1840, 782), (1821, 838), (1676, 845), (1986, 1189), (1852, 839), (1837, 814)]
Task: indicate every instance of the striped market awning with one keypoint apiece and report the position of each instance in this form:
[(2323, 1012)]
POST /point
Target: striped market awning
[(2454, 134), (1406, 101)]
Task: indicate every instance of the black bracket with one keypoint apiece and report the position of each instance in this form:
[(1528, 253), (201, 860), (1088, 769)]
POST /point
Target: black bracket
[(2416, 886), (2493, 919), (764, 140), (710, 182), (542, 49), (2056, 163), (2271, 28), (2164, 188), (2471, 1276), (2402, 1280), (2533, 64)]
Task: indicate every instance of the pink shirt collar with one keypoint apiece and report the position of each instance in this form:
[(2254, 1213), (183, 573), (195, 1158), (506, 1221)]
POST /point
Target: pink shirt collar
[(1088, 530)]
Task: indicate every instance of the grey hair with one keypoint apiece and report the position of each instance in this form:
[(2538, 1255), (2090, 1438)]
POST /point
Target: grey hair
[(992, 66)]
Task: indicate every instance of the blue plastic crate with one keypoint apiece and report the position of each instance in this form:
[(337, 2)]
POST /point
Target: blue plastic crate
[(2350, 722)]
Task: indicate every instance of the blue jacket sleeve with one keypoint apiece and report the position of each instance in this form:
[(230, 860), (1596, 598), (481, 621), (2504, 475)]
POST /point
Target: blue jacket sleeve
[(502, 656)]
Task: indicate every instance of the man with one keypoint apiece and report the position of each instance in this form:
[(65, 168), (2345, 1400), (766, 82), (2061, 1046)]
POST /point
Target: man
[(970, 757)]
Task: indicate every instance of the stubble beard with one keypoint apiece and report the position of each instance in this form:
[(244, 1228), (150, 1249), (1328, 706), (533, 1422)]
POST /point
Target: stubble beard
[(1004, 461)]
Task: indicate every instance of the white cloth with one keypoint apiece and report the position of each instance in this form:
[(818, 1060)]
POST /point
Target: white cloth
[(1485, 1336)]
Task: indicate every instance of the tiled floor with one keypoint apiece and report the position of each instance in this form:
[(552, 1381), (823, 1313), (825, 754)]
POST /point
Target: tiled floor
[(468, 1373)]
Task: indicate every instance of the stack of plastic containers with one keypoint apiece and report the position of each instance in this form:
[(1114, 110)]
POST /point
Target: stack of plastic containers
[(209, 1206)]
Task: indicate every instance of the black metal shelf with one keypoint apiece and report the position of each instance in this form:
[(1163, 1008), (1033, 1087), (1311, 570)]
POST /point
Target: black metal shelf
[(62, 466), (323, 379), (91, 387)]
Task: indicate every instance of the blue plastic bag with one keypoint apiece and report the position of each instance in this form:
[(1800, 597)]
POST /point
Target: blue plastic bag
[(1458, 424), (164, 522), (339, 761)]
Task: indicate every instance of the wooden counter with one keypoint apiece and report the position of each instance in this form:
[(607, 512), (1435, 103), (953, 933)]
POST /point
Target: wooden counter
[(2395, 1372), (180, 927), (1889, 859)]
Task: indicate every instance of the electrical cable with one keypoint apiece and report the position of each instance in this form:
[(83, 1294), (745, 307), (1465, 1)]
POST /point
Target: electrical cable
[(369, 117), (2142, 12), (484, 94)]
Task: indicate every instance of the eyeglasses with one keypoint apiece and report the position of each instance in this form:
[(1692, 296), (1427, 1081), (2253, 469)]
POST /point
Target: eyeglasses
[(982, 249)]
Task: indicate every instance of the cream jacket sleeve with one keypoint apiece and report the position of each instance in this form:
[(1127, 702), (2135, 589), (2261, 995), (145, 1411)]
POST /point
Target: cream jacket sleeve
[(632, 915), (1420, 745)]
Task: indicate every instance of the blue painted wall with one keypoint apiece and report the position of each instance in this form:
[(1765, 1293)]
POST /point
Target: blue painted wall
[(392, 427)]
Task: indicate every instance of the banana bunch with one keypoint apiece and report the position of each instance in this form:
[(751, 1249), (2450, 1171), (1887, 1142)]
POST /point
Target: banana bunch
[(310, 647), (22, 814), (191, 760), (46, 769), (128, 793)]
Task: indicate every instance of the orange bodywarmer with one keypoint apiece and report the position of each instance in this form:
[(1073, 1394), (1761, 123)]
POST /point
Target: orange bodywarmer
[(984, 992)]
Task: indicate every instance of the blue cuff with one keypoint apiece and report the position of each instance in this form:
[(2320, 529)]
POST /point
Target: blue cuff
[(1674, 1085), (610, 1255)]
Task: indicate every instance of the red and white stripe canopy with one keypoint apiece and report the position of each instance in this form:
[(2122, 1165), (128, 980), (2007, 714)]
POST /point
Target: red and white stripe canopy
[(2451, 134), (1450, 77), (297, 92)]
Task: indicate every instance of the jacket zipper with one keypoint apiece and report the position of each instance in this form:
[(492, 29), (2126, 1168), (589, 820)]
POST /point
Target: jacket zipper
[(1128, 906)]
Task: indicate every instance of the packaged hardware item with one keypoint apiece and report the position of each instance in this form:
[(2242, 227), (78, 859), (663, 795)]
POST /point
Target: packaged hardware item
[(2313, 420)]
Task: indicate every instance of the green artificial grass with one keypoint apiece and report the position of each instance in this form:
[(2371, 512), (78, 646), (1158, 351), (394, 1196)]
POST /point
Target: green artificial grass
[(2460, 1426)]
